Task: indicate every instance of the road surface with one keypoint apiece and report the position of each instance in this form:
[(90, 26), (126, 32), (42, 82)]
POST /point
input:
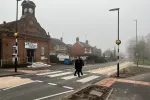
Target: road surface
[(52, 85)]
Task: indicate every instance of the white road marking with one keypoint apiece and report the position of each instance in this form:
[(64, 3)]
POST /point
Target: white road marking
[(38, 81), (89, 66), (52, 84), (87, 79), (18, 85), (67, 87), (47, 73), (59, 74), (53, 95), (69, 77), (109, 94)]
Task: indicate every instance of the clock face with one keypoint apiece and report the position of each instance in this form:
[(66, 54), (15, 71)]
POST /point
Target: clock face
[(31, 10), (25, 10)]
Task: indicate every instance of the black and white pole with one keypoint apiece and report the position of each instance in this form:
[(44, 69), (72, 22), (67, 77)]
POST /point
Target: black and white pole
[(118, 63), (16, 35), (118, 42), (16, 56), (118, 47)]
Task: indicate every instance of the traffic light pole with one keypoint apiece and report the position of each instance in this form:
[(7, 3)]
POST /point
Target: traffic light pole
[(16, 56), (118, 48), (118, 42)]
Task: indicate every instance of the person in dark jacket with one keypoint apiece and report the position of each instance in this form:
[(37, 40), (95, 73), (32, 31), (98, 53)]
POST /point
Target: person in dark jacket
[(77, 66), (81, 65)]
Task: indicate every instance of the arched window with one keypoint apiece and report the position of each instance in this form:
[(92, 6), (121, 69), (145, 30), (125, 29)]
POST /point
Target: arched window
[(42, 51)]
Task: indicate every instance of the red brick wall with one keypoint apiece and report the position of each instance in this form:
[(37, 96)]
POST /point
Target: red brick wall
[(77, 49), (9, 41)]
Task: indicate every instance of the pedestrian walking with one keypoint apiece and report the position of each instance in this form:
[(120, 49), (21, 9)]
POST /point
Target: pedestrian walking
[(81, 65), (77, 66)]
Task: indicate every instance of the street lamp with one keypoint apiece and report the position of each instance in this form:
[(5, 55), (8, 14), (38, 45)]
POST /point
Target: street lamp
[(136, 44), (118, 42), (16, 35)]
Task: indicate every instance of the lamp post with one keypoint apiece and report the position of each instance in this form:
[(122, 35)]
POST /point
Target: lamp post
[(16, 35), (118, 42), (136, 44)]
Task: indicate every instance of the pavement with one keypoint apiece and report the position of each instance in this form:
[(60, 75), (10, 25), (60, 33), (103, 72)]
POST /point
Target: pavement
[(50, 83), (6, 72), (132, 88)]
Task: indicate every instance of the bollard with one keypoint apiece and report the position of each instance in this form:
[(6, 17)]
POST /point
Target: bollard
[(32, 61), (1, 63), (18, 60)]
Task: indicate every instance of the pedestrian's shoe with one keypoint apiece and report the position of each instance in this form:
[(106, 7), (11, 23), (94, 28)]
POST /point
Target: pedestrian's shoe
[(78, 75), (75, 75)]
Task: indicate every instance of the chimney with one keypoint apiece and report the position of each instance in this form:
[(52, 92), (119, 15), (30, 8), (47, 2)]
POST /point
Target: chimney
[(77, 39), (87, 42), (4, 22), (61, 39)]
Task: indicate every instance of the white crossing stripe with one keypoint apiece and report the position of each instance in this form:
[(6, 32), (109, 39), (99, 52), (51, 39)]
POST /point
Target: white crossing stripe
[(59, 74), (38, 81), (87, 79), (69, 77), (67, 87), (52, 84), (47, 73)]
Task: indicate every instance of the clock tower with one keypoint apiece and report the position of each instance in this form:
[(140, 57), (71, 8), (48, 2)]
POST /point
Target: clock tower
[(28, 7)]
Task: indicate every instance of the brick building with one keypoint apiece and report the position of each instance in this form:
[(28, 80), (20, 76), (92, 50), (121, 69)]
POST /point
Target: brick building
[(33, 41), (81, 48)]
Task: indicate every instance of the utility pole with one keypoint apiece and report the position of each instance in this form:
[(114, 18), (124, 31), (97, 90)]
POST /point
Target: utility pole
[(85, 36), (137, 55)]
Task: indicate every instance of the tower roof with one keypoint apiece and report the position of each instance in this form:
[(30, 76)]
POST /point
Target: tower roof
[(28, 2)]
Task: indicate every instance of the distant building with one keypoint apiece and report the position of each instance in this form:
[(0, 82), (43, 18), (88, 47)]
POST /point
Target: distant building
[(69, 46), (81, 48), (96, 51), (59, 50), (33, 41), (58, 46)]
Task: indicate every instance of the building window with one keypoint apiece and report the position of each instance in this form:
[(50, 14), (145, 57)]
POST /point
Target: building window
[(85, 50), (90, 51), (42, 51)]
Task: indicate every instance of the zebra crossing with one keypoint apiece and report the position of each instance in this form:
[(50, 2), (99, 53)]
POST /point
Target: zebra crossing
[(69, 76)]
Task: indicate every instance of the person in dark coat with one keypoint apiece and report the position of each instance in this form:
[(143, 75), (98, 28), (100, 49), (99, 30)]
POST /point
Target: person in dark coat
[(77, 66), (81, 65)]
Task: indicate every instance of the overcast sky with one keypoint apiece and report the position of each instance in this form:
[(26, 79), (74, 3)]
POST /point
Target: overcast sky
[(75, 17)]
